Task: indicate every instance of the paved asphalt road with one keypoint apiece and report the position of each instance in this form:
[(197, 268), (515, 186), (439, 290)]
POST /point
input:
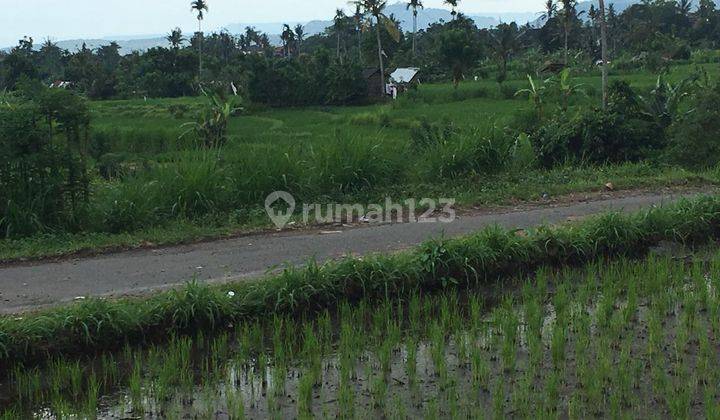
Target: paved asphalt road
[(34, 285)]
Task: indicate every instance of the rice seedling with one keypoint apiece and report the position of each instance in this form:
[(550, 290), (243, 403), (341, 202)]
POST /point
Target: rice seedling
[(498, 399), (135, 387), (306, 386), (509, 324), (378, 390), (91, 397), (235, 405)]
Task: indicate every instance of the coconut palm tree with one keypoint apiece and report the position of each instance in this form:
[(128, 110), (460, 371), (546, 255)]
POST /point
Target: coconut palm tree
[(359, 17), (453, 4), (604, 48), (175, 38), (506, 40), (569, 12), (200, 7), (415, 5), (287, 36), (376, 9), (299, 35), (550, 10), (339, 28), (684, 7)]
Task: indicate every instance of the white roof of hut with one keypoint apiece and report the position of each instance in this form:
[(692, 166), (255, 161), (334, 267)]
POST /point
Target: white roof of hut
[(404, 75)]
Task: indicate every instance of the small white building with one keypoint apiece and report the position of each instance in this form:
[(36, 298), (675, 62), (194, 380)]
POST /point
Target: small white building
[(401, 79), (60, 84), (405, 76)]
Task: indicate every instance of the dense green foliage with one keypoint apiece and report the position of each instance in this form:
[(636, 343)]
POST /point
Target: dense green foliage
[(310, 70), (632, 128), (695, 138), (43, 173)]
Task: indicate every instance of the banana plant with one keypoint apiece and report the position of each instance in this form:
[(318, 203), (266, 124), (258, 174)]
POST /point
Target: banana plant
[(566, 88), (663, 103), (535, 95), (211, 126)]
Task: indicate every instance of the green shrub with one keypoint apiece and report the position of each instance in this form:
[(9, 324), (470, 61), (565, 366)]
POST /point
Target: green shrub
[(623, 132), (346, 85), (43, 174), (595, 136), (428, 134), (344, 165), (695, 138), (468, 154), (114, 165)]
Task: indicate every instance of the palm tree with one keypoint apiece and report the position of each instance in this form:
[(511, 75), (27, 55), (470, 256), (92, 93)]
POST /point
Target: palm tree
[(684, 7), (339, 28), (175, 38), (375, 8), (550, 10), (287, 37), (415, 5), (299, 35), (569, 12), (453, 4), (604, 47), (200, 7), (358, 28), (506, 40)]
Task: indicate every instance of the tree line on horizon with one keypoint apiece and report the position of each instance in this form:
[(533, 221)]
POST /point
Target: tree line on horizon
[(327, 67)]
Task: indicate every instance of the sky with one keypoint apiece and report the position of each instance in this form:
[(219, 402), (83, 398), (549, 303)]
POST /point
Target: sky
[(64, 19)]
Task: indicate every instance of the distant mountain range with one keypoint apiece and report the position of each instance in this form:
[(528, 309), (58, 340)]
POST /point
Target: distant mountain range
[(127, 44), (619, 5), (426, 17)]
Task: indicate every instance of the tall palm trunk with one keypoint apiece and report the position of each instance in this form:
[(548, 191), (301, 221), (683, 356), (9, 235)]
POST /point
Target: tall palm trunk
[(567, 41), (380, 56), (604, 47), (200, 47), (414, 45), (339, 56)]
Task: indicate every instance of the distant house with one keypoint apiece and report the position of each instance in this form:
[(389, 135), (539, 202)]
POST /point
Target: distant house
[(402, 79), (551, 67), (373, 80), (279, 52), (405, 76), (60, 84)]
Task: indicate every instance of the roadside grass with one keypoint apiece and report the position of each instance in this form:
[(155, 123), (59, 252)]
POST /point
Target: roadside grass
[(494, 253), (623, 338), (529, 186)]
